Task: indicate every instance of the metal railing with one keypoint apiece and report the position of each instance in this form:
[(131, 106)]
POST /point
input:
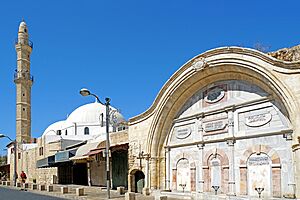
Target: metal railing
[(26, 42), (23, 75)]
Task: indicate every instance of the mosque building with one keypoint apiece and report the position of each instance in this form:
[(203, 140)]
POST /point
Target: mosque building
[(226, 121), (69, 151)]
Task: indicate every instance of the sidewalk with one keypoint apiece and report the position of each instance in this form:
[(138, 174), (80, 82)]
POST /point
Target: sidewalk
[(98, 193)]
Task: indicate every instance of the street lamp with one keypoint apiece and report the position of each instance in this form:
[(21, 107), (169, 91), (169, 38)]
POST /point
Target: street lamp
[(15, 156), (86, 92)]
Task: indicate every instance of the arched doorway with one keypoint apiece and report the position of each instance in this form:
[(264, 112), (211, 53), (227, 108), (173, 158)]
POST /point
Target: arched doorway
[(139, 181)]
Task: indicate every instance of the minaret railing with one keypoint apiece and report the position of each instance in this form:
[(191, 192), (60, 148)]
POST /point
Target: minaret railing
[(27, 42), (23, 75)]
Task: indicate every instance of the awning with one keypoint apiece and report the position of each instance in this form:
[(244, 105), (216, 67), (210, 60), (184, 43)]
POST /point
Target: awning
[(46, 162), (95, 151), (64, 156), (82, 151)]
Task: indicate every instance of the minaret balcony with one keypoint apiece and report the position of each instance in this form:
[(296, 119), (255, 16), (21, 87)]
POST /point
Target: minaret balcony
[(23, 76), (26, 42)]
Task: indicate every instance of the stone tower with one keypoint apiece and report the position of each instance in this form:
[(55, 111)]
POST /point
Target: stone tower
[(23, 81)]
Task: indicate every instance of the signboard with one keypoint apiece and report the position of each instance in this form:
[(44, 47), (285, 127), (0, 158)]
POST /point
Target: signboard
[(258, 119)]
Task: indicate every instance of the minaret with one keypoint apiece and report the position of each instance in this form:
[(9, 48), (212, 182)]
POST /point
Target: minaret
[(23, 81)]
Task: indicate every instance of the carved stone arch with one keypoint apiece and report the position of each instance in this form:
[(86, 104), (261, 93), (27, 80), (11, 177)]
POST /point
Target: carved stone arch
[(219, 152), (260, 149), (185, 155)]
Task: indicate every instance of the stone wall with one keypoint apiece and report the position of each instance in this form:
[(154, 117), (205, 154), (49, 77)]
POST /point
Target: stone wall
[(47, 175), (287, 54)]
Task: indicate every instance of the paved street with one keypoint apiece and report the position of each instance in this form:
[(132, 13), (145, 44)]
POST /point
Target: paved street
[(13, 194)]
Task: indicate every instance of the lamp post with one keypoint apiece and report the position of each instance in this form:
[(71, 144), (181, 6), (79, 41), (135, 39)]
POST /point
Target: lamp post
[(86, 92), (15, 156)]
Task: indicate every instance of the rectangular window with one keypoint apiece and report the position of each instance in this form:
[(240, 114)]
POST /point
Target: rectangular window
[(102, 120), (19, 155), (41, 151)]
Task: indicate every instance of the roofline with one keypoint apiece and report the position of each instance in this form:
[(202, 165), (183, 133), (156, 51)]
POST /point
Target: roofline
[(282, 66)]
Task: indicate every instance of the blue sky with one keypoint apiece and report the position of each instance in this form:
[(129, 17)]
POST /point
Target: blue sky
[(125, 50)]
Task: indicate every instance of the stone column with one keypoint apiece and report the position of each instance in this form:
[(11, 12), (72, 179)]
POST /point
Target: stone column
[(230, 142), (296, 150), (200, 179), (89, 173), (153, 173), (147, 176), (291, 168), (168, 168), (231, 182)]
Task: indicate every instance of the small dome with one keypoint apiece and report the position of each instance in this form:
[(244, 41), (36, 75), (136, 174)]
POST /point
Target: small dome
[(52, 129), (117, 118), (23, 27), (23, 24), (88, 113)]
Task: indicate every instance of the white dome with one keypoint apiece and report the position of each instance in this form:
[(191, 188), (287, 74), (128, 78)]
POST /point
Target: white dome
[(83, 123), (88, 113), (52, 129), (23, 23)]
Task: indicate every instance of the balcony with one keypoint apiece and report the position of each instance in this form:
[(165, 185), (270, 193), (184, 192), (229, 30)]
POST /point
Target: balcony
[(23, 76), (27, 42)]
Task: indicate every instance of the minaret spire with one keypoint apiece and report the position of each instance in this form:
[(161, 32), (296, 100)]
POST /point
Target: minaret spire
[(23, 81)]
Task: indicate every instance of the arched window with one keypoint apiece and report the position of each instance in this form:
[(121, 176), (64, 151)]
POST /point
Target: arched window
[(66, 132), (86, 131)]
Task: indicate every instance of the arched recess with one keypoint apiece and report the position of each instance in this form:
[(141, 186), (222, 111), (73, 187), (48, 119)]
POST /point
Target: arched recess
[(183, 164), (253, 67), (208, 168), (275, 168)]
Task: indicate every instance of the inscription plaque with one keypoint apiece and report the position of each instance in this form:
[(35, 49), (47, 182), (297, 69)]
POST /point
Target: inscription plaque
[(258, 160), (215, 125), (183, 133), (258, 119)]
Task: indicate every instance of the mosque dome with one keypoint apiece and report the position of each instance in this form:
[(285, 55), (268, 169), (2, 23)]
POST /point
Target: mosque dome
[(86, 116), (51, 130), (88, 113)]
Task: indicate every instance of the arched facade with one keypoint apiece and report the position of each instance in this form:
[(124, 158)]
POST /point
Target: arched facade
[(217, 105)]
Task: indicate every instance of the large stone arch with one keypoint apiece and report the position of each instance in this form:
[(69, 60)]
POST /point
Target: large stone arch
[(230, 63)]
